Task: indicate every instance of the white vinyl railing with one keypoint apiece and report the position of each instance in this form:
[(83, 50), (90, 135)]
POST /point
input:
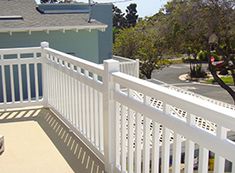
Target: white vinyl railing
[(74, 90), (138, 129), (128, 66), (132, 125), (217, 102), (20, 77)]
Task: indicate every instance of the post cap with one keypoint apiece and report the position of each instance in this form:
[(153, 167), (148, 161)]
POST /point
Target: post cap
[(44, 44)]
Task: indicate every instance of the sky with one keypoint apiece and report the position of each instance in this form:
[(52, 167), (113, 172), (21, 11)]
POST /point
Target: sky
[(144, 7)]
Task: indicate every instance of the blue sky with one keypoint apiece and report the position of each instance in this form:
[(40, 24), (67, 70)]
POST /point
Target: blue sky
[(144, 7)]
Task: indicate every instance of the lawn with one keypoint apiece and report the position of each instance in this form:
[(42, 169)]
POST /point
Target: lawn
[(227, 80)]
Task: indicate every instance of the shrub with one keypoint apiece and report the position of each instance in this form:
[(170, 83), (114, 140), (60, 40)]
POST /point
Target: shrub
[(196, 71)]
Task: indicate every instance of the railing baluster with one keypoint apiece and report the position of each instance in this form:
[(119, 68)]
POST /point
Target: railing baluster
[(87, 112), (146, 156), (69, 98), (130, 139), (221, 133), (55, 84), (72, 94), (12, 84), (138, 143), (67, 92), (166, 144), (53, 87), (20, 83), (50, 84), (155, 148), (118, 134), (79, 105), (146, 138), (123, 139), (76, 119), (4, 85), (203, 160), (91, 112), (101, 122), (96, 114), (63, 91), (28, 82), (165, 149), (176, 153), (83, 110), (36, 81), (60, 88), (47, 90), (189, 148)]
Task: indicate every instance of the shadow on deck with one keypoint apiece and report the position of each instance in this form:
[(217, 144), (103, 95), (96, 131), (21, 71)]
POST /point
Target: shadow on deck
[(77, 155)]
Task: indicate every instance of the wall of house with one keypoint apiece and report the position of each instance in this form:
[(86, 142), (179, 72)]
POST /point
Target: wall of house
[(83, 43), (103, 13), (100, 12)]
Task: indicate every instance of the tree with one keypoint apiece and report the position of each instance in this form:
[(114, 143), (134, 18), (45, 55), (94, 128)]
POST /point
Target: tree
[(188, 24), (131, 15), (143, 43), (119, 21), (127, 43), (150, 54)]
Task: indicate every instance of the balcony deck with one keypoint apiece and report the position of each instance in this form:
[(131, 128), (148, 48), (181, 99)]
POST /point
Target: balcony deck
[(37, 141), (125, 124)]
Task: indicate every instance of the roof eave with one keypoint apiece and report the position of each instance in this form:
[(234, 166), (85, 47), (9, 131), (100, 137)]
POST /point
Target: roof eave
[(55, 28)]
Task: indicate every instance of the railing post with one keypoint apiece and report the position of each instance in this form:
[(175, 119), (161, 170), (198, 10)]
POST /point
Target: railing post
[(137, 68), (44, 73), (109, 124)]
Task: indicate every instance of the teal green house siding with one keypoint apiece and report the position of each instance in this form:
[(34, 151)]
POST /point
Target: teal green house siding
[(83, 44), (90, 44), (103, 13)]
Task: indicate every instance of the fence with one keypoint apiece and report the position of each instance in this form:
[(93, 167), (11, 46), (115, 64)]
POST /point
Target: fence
[(20, 77), (115, 114), (128, 66)]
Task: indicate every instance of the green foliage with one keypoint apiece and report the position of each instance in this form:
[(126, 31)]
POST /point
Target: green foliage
[(119, 21), (131, 15), (126, 43), (196, 71), (203, 56), (144, 44), (226, 79), (122, 20)]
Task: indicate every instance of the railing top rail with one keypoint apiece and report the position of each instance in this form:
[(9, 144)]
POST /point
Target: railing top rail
[(215, 113), (19, 50), (122, 59), (92, 67)]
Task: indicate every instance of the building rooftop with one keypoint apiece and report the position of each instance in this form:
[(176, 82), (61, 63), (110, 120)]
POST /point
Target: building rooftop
[(32, 19)]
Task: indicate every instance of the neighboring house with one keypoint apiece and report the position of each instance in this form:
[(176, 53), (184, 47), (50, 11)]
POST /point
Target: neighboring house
[(23, 23)]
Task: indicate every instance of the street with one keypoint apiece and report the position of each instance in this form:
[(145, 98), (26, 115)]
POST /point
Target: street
[(170, 75)]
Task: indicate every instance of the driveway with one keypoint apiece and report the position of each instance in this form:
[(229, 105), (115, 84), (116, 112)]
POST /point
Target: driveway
[(170, 75)]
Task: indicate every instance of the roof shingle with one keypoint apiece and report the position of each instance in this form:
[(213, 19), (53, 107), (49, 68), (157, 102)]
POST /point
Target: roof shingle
[(34, 20)]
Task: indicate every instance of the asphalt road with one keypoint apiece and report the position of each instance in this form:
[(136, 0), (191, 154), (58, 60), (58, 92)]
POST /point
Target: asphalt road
[(170, 75)]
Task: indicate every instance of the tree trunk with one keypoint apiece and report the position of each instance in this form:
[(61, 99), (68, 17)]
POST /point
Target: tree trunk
[(221, 82), (233, 75)]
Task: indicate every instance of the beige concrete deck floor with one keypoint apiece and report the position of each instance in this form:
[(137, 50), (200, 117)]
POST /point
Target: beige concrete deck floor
[(36, 141)]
